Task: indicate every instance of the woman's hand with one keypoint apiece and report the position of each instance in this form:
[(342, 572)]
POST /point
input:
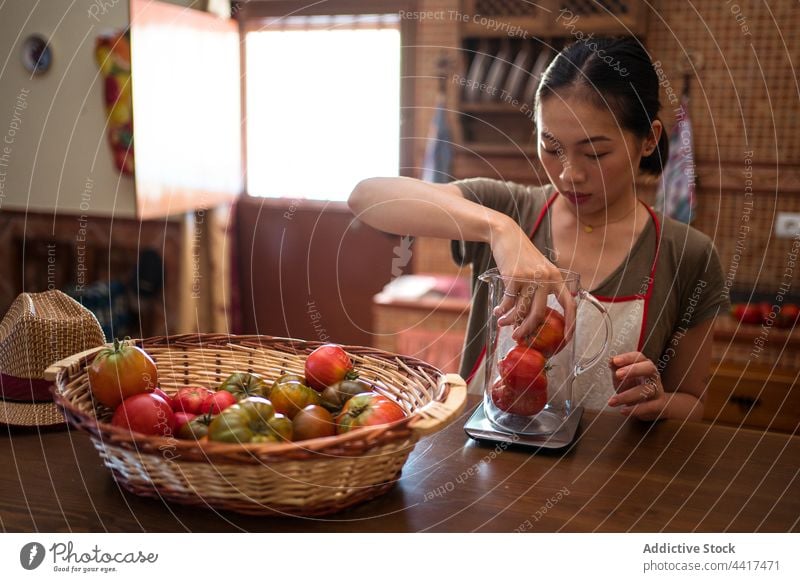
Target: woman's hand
[(525, 297), (640, 392)]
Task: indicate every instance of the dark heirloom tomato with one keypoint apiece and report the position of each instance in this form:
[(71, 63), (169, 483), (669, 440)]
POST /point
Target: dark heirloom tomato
[(121, 371), (527, 402), (244, 384), (335, 395), (196, 428), (180, 418), (327, 365), (145, 413), (282, 428), (523, 368), (368, 409), (291, 397), (313, 422), (247, 422), (287, 378), (548, 338)]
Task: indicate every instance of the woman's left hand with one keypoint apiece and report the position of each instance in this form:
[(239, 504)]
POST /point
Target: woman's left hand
[(640, 392)]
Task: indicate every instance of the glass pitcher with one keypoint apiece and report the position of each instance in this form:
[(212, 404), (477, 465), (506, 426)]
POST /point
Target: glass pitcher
[(517, 398)]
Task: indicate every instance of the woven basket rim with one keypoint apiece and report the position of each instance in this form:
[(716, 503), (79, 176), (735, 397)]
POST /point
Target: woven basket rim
[(190, 450)]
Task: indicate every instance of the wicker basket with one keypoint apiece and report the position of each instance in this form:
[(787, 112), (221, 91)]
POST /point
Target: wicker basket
[(312, 477)]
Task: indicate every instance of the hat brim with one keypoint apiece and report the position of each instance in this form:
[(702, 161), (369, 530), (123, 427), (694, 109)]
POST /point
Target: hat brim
[(30, 414)]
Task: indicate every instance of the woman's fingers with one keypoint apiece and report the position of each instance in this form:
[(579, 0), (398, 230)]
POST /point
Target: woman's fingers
[(627, 358), (636, 380), (532, 304), (629, 376), (506, 304)]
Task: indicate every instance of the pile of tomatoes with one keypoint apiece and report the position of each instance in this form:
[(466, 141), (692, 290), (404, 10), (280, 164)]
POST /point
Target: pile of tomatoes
[(328, 399), (784, 316), (522, 385)]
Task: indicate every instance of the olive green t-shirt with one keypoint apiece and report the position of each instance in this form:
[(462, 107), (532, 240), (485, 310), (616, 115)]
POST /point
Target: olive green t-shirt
[(688, 284)]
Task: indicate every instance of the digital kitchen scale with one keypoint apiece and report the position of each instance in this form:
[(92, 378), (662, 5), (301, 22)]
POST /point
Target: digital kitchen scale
[(480, 428)]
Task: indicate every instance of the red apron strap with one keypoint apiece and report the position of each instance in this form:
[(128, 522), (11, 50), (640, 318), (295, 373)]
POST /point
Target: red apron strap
[(542, 213)]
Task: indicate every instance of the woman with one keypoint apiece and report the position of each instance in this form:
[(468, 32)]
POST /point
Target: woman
[(661, 280)]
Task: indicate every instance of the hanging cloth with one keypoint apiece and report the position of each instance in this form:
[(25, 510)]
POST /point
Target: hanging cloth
[(438, 161)]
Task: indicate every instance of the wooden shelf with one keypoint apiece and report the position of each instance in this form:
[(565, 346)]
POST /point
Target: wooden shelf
[(514, 24), (492, 108), (490, 149), (729, 329)]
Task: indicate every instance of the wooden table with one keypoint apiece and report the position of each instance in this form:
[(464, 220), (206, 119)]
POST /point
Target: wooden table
[(621, 475)]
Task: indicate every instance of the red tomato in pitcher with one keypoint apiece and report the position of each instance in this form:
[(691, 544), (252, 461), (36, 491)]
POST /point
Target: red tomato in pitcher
[(327, 365), (526, 402), (549, 336), (523, 368)]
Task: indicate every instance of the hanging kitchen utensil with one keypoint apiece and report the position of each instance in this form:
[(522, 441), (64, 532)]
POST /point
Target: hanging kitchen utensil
[(477, 71), (515, 83), (497, 72), (542, 61)]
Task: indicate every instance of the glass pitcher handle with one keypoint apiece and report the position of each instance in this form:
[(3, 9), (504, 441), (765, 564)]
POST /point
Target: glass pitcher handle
[(584, 365)]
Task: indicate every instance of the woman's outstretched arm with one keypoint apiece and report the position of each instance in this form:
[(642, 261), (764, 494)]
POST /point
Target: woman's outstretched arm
[(413, 207)]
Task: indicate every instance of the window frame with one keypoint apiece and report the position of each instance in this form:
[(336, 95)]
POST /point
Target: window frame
[(256, 14)]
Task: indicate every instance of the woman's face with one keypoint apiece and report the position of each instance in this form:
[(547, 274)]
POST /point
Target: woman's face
[(587, 156)]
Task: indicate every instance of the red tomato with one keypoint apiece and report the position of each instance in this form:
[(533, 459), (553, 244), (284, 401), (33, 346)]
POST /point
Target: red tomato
[(526, 402), (145, 413), (167, 398), (523, 368), (368, 409), (216, 402), (327, 365), (747, 313), (549, 336), (180, 418), (766, 311), (788, 315), (121, 371), (190, 399)]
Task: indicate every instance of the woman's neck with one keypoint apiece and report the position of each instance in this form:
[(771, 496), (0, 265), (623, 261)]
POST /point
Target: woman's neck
[(622, 212)]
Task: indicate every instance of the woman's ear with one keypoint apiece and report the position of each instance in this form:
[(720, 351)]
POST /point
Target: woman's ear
[(651, 143)]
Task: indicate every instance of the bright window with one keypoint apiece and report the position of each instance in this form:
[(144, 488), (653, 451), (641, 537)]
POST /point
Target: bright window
[(323, 105)]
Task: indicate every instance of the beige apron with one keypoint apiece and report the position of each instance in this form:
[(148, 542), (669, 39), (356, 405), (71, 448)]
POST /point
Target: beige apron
[(594, 387)]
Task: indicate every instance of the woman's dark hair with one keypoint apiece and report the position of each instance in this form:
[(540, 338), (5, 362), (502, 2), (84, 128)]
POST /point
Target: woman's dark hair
[(613, 73)]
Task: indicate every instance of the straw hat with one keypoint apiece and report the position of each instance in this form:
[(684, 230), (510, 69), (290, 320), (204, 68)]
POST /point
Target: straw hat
[(39, 330)]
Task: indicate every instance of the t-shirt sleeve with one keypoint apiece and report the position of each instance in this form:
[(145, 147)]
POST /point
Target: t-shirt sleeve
[(704, 295), (510, 198)]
